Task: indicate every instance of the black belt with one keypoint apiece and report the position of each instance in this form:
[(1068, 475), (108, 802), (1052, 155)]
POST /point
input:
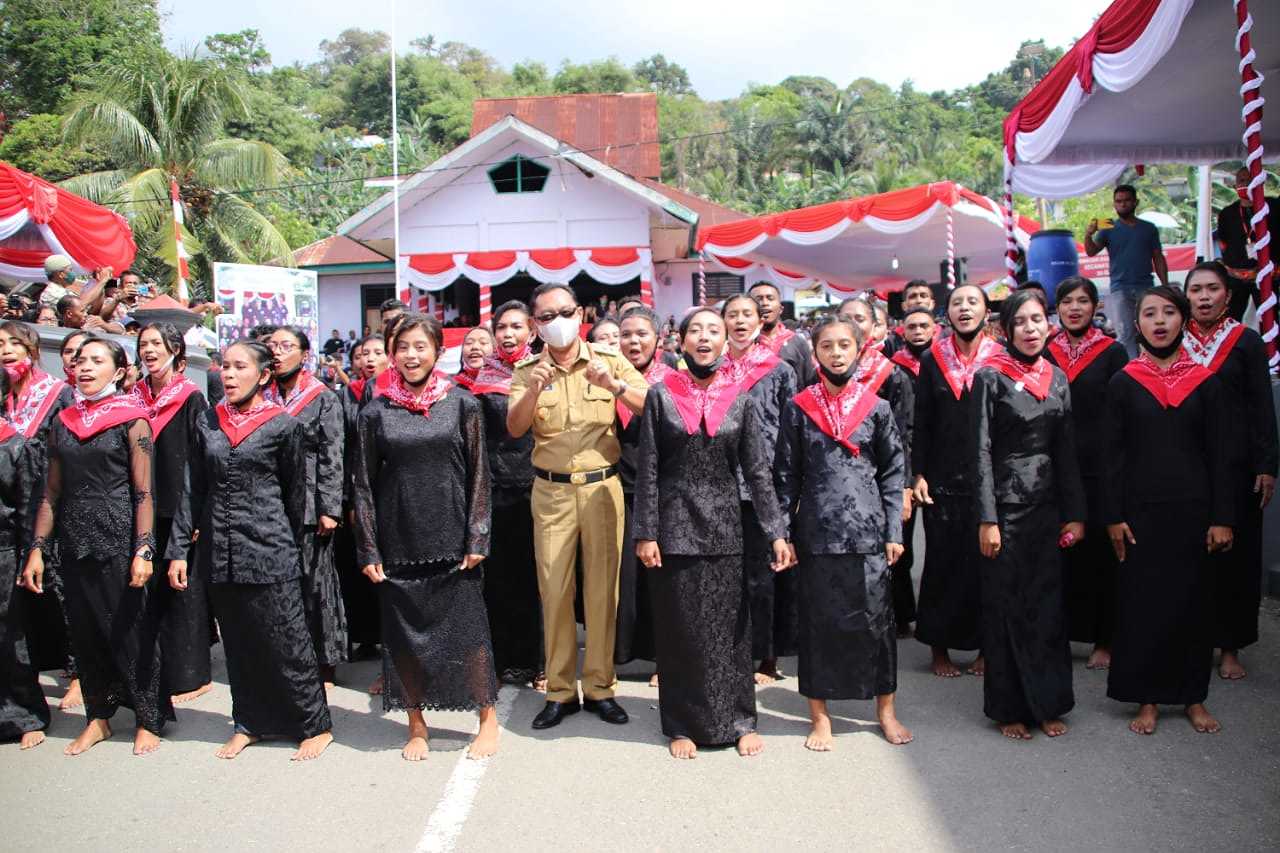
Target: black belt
[(578, 478)]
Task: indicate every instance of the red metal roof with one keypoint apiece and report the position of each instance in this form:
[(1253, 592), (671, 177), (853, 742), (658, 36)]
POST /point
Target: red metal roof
[(620, 130), (709, 213), (337, 249)]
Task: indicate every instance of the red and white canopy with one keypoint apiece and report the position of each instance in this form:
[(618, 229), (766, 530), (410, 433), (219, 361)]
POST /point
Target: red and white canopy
[(1153, 81), (613, 265), (878, 241), (38, 219)]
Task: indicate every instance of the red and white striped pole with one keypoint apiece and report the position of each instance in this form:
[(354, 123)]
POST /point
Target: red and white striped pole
[(702, 279), (1251, 116), (486, 304), (180, 251), (1010, 241), (951, 250)]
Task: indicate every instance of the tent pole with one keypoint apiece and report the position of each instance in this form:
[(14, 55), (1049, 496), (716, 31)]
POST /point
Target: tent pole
[(1204, 212), (395, 155)]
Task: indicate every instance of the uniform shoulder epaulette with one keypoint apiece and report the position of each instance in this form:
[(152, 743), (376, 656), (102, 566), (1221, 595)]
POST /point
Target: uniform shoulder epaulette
[(532, 359)]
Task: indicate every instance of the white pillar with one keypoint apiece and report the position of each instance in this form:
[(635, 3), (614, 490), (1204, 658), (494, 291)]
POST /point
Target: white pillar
[(1204, 213)]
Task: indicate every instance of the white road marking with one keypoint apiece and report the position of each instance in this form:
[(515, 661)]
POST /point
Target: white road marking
[(450, 815)]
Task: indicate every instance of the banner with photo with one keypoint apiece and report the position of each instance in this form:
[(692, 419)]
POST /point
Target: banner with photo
[(253, 296)]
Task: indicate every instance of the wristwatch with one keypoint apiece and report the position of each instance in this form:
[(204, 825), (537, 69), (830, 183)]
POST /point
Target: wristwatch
[(146, 552)]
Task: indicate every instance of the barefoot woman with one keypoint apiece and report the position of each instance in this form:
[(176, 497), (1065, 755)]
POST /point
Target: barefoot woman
[(422, 529), (1169, 507), (696, 432), (98, 497), (1030, 501), (247, 498), (839, 474)]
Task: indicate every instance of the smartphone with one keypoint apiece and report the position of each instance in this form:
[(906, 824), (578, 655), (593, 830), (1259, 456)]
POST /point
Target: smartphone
[(144, 290)]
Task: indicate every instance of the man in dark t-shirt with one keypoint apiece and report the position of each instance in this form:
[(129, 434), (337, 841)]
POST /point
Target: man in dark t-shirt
[(1134, 252), (1236, 239)]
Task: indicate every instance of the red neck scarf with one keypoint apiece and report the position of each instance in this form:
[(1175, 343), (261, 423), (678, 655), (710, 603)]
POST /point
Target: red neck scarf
[(240, 425), (955, 369), (775, 341), (163, 406), (306, 389), (382, 380), (1210, 347), (1074, 357), (874, 346), (86, 419), (400, 394), (752, 366), (838, 416), (28, 411), (872, 370), (6, 431), (696, 404), (1171, 385), (906, 358), (357, 388), (465, 378), (494, 377), (1033, 378), (653, 374)]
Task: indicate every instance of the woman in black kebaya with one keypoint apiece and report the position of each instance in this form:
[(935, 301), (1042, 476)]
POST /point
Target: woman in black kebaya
[(1169, 508), (98, 502), (422, 529), (1029, 504), (1238, 357), (696, 432), (1089, 359), (246, 497), (174, 406), (839, 475)]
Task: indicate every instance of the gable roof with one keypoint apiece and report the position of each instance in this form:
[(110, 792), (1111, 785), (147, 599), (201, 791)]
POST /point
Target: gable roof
[(620, 130), (336, 250)]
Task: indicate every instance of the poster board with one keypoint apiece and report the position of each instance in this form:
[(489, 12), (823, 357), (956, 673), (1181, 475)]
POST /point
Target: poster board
[(252, 295)]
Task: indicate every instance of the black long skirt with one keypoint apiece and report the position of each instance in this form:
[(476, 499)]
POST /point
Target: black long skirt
[(1028, 676), (949, 614), (707, 692), (22, 705), (1237, 575), (48, 635), (276, 689), (848, 645), (1163, 649), (436, 651), (322, 599), (775, 612), (635, 612), (1089, 575), (904, 594), (184, 623), (511, 588), (359, 598), (115, 631)]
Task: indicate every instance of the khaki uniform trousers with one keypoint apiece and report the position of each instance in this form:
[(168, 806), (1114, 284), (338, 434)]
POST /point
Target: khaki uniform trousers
[(563, 515)]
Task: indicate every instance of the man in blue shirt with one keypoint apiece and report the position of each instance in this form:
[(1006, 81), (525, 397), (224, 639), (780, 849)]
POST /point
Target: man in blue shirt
[(1134, 251)]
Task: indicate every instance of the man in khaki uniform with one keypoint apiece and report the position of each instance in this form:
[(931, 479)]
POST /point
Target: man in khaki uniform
[(568, 396)]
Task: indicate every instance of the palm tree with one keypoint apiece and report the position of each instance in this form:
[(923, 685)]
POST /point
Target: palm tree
[(162, 120)]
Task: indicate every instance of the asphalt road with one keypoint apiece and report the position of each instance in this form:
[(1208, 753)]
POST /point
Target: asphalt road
[(589, 785)]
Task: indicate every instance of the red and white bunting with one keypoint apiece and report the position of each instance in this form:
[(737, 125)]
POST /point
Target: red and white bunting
[(180, 251), (608, 265)]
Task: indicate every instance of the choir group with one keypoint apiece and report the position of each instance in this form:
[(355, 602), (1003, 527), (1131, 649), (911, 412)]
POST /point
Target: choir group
[(753, 498)]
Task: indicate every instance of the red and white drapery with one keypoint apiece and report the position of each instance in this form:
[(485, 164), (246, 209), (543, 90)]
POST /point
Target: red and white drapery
[(1153, 82), (878, 241), (38, 219)]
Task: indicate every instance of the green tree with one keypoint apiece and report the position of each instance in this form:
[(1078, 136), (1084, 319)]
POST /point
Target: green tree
[(663, 76), (164, 120), (46, 45), (354, 45), (607, 76), (35, 145), (243, 50)]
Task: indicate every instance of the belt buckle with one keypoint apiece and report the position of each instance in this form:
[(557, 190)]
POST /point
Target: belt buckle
[(578, 478)]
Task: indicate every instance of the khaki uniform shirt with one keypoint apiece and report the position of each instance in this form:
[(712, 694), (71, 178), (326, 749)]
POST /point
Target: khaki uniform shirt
[(574, 422)]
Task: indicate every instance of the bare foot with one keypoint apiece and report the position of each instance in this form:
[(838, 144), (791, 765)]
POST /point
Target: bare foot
[(1202, 721), (312, 747), (95, 731), (1230, 667), (1015, 731), (978, 667), (762, 678), (1099, 659), (1145, 722), (415, 749), (194, 694), (73, 697), (31, 740), (375, 689), (768, 672), (1053, 728), (236, 745), (485, 743), (145, 743), (653, 680), (682, 747), (942, 666), (820, 738), (895, 732), (540, 682), (329, 685), (750, 745)]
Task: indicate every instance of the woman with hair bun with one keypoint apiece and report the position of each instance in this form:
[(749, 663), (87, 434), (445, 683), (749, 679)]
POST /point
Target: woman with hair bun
[(246, 495)]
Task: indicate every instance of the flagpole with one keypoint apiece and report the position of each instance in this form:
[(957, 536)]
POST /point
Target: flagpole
[(395, 156)]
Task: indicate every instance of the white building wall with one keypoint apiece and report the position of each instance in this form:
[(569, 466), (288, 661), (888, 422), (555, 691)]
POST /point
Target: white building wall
[(340, 304)]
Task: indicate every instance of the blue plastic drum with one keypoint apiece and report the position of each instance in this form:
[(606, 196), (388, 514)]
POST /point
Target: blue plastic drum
[(1051, 257)]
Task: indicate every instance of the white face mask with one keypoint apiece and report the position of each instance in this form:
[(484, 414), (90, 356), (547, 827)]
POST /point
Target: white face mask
[(160, 368), (108, 390), (560, 332)]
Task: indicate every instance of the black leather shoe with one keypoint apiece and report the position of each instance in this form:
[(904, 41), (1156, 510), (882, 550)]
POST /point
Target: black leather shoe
[(607, 709), (553, 713)]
